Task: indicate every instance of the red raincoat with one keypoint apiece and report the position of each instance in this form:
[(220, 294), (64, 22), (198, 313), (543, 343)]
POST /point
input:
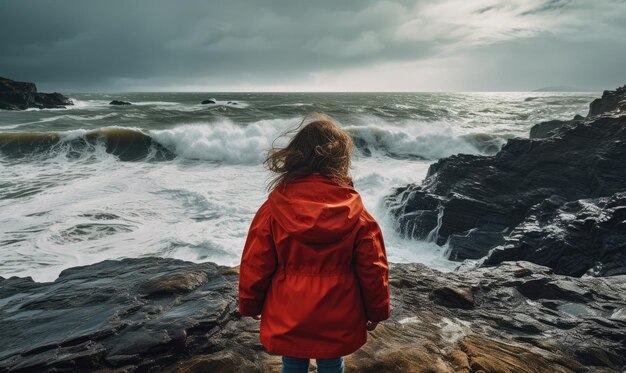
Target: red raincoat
[(314, 266)]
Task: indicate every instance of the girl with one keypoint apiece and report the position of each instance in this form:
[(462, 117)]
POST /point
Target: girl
[(314, 268)]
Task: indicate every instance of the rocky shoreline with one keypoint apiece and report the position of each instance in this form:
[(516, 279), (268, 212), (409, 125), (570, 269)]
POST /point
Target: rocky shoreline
[(167, 315), (22, 95), (539, 215), (556, 199)]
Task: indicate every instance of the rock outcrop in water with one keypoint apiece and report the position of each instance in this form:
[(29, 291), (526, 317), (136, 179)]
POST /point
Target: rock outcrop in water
[(531, 199), (21, 95), (167, 315), (119, 102)]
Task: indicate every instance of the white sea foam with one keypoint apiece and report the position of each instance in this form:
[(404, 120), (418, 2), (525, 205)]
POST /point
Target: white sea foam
[(87, 104), (228, 142), (187, 210), (155, 103), (222, 141), (425, 140)]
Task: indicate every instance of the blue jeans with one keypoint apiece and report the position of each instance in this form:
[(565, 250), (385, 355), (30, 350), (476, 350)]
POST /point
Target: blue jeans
[(299, 365)]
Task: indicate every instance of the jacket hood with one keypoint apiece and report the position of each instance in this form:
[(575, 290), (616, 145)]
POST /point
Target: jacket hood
[(315, 209)]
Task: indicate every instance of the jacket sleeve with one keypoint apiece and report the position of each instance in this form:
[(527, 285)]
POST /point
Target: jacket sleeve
[(258, 264), (372, 271)]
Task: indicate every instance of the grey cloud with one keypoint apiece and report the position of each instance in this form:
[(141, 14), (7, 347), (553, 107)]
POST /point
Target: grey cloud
[(548, 6), (123, 45)]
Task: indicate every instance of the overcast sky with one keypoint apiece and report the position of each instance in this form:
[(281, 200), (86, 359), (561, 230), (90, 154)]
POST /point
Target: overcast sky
[(322, 45)]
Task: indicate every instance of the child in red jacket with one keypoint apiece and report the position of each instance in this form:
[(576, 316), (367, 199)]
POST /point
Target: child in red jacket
[(314, 268)]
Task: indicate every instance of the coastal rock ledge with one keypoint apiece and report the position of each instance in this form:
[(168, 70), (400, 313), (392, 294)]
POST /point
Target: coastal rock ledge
[(21, 95), (166, 315), (557, 198)]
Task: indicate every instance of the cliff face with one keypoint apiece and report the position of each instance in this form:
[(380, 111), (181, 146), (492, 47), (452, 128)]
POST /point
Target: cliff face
[(21, 95), (167, 315), (514, 200)]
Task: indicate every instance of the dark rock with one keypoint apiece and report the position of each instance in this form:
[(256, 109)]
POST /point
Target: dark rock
[(150, 314), (578, 237), (477, 203), (16, 95), (547, 129), (415, 210), (51, 100), (21, 95), (131, 311), (211, 101), (610, 101), (118, 102)]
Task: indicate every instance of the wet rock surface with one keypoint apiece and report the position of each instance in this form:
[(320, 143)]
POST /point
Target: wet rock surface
[(610, 101), (167, 315), (22, 95), (476, 203), (576, 237)]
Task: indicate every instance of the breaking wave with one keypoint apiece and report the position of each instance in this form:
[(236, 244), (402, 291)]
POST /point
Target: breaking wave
[(230, 143)]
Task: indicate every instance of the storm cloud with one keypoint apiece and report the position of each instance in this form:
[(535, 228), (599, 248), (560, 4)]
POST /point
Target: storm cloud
[(359, 45)]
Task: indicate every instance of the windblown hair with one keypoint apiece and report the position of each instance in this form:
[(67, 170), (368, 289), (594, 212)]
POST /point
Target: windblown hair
[(320, 146)]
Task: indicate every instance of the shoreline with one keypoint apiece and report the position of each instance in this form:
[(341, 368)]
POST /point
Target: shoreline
[(170, 315), (501, 314)]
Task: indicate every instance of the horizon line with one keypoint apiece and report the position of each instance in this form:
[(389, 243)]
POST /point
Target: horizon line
[(226, 91)]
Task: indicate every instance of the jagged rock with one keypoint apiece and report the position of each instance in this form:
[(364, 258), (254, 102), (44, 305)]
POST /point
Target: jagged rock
[(547, 129), (610, 101), (208, 102), (577, 237), (119, 102), (474, 203), (21, 95), (106, 317)]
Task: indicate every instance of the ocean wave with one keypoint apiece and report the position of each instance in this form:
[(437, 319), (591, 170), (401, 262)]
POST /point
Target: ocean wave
[(230, 143), (78, 118), (223, 141), (155, 103), (422, 140), (128, 144), (87, 104)]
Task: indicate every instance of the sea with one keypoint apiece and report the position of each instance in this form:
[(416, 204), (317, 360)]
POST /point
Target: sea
[(170, 177)]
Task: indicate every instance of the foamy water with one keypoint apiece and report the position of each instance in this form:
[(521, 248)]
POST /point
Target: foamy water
[(70, 201)]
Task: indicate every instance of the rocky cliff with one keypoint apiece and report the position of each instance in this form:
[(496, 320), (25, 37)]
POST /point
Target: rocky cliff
[(165, 315), (542, 199), (21, 95)]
